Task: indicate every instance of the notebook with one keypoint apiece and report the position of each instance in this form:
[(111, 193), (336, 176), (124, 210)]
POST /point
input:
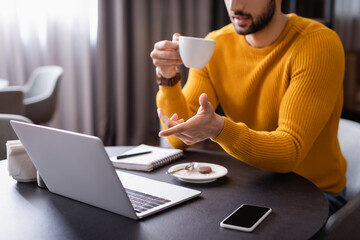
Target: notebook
[(154, 157), (77, 166)]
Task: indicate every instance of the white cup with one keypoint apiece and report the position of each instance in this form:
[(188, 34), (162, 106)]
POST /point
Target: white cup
[(20, 166), (195, 52)]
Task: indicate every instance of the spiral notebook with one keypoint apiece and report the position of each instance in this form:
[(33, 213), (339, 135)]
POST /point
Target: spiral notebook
[(156, 157)]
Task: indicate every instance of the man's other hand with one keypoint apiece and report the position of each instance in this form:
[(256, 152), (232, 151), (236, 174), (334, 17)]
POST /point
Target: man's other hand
[(205, 124)]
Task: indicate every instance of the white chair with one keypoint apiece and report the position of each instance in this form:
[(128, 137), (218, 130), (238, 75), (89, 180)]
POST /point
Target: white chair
[(4, 83), (40, 93), (37, 98), (345, 223)]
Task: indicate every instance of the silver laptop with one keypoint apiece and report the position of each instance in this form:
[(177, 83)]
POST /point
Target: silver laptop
[(77, 166)]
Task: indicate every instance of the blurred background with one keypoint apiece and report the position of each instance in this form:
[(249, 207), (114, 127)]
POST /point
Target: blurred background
[(108, 86)]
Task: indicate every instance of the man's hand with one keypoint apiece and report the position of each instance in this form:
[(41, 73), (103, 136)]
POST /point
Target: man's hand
[(205, 124), (166, 57)]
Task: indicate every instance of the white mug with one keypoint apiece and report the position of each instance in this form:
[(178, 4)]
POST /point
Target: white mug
[(20, 166), (196, 52)]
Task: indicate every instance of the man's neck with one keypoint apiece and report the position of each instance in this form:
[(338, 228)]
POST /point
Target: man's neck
[(270, 33)]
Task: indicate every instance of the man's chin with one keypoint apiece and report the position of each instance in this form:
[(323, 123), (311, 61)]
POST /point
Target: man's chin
[(242, 30)]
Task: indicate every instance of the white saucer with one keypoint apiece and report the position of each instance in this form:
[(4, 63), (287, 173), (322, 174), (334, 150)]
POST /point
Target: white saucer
[(195, 177)]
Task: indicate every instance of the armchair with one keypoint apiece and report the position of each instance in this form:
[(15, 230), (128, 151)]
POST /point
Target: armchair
[(40, 93), (344, 224), (37, 98)]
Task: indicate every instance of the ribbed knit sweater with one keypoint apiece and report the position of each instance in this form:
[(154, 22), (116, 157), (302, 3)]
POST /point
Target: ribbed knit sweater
[(282, 102)]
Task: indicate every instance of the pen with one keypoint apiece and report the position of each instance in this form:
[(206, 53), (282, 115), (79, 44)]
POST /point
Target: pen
[(132, 155)]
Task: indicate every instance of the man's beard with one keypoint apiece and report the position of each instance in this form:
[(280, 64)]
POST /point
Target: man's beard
[(260, 22)]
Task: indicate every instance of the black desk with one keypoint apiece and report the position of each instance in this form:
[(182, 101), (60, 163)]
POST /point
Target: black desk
[(299, 208)]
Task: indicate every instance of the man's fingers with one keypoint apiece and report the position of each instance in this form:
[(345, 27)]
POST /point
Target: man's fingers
[(162, 45), (165, 54), (185, 139), (175, 37), (169, 122), (181, 120), (173, 130), (170, 63), (174, 117), (163, 118), (203, 100), (205, 105)]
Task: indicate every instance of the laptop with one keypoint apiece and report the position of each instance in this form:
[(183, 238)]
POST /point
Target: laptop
[(77, 166)]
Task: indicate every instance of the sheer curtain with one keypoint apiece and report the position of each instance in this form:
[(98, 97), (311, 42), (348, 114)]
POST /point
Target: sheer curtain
[(127, 33), (61, 32), (108, 88)]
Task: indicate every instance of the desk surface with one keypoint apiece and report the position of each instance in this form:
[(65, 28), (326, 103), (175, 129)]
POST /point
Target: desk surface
[(299, 208)]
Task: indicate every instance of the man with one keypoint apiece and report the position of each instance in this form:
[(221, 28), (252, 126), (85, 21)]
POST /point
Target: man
[(278, 79)]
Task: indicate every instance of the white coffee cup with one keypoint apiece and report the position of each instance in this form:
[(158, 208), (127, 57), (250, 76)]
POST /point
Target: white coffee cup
[(195, 52), (20, 166)]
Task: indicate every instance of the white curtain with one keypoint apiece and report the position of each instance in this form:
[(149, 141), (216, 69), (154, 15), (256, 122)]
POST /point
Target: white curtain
[(108, 88), (130, 29), (52, 32)]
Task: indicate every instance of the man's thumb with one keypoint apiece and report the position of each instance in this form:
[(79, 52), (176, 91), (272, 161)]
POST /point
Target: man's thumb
[(204, 103), (175, 37)]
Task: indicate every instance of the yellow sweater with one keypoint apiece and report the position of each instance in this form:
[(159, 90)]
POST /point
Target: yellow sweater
[(282, 102)]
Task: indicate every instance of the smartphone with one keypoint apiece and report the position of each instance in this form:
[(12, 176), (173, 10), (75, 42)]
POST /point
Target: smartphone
[(246, 218)]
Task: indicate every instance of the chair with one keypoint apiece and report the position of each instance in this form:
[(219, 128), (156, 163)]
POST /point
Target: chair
[(11, 101), (4, 83), (6, 131), (345, 223), (40, 93)]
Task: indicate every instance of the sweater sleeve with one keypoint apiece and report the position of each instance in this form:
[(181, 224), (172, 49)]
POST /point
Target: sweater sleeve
[(317, 69), (185, 102)]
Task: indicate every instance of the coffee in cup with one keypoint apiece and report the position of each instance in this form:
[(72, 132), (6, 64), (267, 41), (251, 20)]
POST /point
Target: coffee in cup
[(195, 52)]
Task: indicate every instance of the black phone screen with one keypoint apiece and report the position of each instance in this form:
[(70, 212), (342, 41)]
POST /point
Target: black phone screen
[(246, 216)]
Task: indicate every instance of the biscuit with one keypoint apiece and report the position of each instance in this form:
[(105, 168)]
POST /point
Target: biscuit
[(204, 170)]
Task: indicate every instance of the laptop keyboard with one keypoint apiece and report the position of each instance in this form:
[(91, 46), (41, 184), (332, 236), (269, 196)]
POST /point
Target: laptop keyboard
[(143, 202)]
